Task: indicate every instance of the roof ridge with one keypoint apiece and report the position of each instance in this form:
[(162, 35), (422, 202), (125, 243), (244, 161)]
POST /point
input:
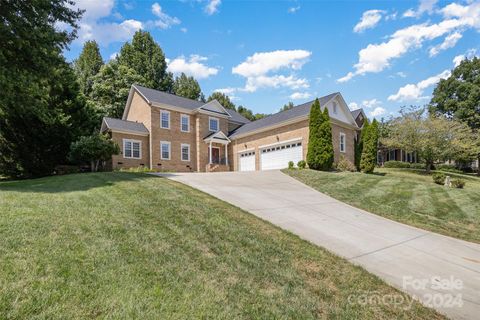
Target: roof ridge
[(171, 94), (122, 120)]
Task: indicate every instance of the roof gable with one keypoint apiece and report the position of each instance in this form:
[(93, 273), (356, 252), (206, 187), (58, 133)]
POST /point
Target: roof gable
[(215, 107), (123, 126)]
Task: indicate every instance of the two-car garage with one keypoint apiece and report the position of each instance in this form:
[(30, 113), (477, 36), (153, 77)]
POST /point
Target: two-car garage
[(275, 156)]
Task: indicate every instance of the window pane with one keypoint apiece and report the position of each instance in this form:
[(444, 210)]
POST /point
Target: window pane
[(213, 124), (136, 149), (185, 153), (165, 120), (185, 123), (165, 151), (127, 152)]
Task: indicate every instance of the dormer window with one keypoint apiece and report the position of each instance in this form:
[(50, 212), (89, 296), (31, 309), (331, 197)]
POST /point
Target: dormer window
[(334, 106), (213, 124)]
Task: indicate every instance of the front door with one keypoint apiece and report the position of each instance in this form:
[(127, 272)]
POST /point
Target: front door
[(215, 155)]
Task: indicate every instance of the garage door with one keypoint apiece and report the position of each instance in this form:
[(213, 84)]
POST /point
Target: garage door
[(247, 161), (278, 156)]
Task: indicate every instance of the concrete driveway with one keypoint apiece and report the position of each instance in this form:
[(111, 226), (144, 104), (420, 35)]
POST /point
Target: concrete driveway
[(408, 258)]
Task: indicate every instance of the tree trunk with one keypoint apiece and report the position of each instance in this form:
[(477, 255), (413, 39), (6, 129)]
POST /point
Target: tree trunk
[(92, 166), (96, 165), (478, 165), (428, 166)]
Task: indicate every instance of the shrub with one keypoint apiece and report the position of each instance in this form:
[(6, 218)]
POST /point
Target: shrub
[(438, 178), (93, 149), (397, 164), (291, 165), (66, 169), (448, 168), (417, 165), (320, 146), (301, 164), (370, 147), (345, 165), (458, 183)]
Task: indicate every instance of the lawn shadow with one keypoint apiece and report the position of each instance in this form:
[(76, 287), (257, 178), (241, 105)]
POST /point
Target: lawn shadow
[(381, 174), (72, 182)]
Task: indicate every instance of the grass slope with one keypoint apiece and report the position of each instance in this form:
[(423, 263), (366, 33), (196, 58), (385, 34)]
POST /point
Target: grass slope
[(407, 196), (126, 245)]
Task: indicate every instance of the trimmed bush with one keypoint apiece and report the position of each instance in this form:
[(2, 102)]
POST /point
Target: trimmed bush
[(397, 164), (301, 164), (458, 183), (448, 168), (345, 165), (439, 178), (291, 165), (417, 165)]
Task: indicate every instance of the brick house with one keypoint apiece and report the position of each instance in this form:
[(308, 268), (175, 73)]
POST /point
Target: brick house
[(163, 131)]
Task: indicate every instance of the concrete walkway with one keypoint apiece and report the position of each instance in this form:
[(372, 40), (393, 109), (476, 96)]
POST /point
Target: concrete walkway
[(393, 251)]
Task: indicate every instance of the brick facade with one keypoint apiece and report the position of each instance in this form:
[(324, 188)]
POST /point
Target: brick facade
[(118, 161)]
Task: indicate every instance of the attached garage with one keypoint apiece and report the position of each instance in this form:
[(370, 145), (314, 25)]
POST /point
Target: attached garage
[(278, 155), (247, 161)]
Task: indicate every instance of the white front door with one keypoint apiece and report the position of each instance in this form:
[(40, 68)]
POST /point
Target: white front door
[(278, 156), (247, 161)]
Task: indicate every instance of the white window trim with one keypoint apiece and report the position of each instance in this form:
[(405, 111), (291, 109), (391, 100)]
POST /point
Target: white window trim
[(132, 141), (169, 150), (181, 151), (182, 116), (169, 119), (218, 124), (344, 142)]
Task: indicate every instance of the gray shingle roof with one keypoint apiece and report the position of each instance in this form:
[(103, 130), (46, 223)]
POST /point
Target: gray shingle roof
[(356, 112), (295, 112), (124, 125), (153, 95)]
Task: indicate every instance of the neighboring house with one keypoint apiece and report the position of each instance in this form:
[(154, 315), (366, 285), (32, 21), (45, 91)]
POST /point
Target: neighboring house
[(163, 131), (359, 116)]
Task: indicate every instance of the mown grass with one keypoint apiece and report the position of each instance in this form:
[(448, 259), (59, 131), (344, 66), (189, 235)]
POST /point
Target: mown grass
[(129, 245), (408, 196)]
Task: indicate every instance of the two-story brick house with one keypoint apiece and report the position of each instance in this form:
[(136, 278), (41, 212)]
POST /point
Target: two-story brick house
[(163, 131)]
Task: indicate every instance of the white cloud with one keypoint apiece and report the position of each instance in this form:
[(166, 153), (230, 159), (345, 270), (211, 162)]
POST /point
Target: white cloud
[(449, 42), (293, 9), (370, 103), (264, 62), (276, 81), (229, 91), (378, 111), (192, 66), (353, 106), (468, 55), (376, 57), (212, 6), (369, 20), (401, 74), (257, 69), (113, 56), (95, 9), (106, 33), (184, 30), (414, 92), (164, 21), (300, 95), (425, 6)]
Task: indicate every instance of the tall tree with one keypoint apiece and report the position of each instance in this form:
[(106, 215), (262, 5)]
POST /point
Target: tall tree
[(370, 147), (187, 87), (223, 99), (111, 87), (287, 106), (458, 96), (40, 109), (359, 143), (314, 147), (326, 143), (145, 57), (87, 66)]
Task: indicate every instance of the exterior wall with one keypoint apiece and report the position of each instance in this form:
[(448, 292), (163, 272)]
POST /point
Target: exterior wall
[(202, 131), (139, 111), (176, 137), (289, 132), (118, 161)]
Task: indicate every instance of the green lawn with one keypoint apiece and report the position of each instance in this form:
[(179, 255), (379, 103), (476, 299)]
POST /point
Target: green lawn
[(408, 196), (129, 245)]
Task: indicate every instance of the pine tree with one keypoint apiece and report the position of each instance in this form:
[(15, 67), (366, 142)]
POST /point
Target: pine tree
[(370, 143), (314, 149), (359, 143), (87, 66), (145, 57), (187, 87), (326, 143)]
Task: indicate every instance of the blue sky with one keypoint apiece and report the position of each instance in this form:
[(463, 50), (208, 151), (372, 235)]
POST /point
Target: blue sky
[(380, 55)]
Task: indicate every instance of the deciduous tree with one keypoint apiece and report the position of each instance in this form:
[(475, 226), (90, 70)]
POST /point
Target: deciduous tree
[(87, 65), (187, 87)]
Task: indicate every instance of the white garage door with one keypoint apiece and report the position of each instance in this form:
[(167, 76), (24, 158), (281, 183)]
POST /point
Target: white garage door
[(247, 161), (278, 156)]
